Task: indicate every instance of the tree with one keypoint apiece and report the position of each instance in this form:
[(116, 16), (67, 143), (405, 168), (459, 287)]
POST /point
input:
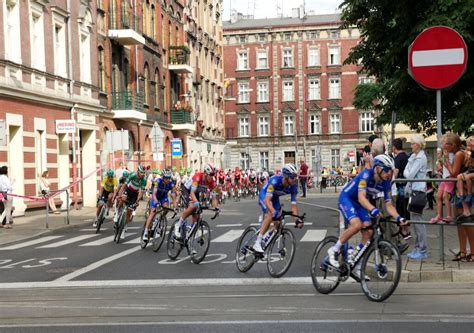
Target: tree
[(387, 29)]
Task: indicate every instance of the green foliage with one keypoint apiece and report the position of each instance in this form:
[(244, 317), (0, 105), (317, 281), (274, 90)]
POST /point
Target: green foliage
[(387, 29)]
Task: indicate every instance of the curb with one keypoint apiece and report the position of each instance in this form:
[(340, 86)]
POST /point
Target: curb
[(466, 275)]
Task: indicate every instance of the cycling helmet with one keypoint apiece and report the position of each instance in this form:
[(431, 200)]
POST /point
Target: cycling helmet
[(125, 174), (110, 173), (189, 170), (166, 173), (141, 169), (209, 169), (155, 171), (173, 168), (385, 162), (289, 169)]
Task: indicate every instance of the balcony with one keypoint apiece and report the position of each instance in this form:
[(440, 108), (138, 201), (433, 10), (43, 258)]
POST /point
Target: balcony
[(124, 28), (126, 105), (182, 119), (179, 60)]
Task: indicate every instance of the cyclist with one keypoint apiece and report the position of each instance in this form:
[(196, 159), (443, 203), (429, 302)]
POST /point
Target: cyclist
[(237, 181), (150, 179), (176, 179), (159, 196), (269, 200), (202, 182), (109, 190), (132, 194), (355, 205)]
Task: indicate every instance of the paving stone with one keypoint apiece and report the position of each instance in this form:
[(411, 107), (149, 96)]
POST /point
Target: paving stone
[(436, 276), (463, 275)]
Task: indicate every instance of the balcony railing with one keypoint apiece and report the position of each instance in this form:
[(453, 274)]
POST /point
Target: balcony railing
[(179, 59), (181, 116), (125, 28), (127, 105)]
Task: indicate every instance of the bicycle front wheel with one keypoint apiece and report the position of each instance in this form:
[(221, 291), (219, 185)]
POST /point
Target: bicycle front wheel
[(281, 253), (100, 219), (159, 234), (173, 245), (244, 256), (325, 277), (120, 227), (200, 241), (381, 267)]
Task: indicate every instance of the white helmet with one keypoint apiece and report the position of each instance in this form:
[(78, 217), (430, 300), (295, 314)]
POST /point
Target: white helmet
[(289, 169), (384, 161), (209, 169)]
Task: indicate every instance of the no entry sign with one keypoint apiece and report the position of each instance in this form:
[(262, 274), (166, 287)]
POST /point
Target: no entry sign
[(438, 57)]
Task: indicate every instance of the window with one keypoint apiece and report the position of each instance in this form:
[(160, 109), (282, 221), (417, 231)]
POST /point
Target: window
[(242, 39), (334, 88), (314, 34), (367, 122), (40, 150), (244, 93), (60, 51), (147, 84), (157, 88), (335, 158), (102, 79), (37, 38), (288, 125), (264, 160), (243, 60), (366, 80), (335, 123), (334, 55), (152, 23), (262, 59), (334, 34), (12, 31), (262, 92), (263, 126), (314, 124), (287, 58), (85, 59), (288, 94), (244, 161), (314, 91), (243, 127), (287, 35), (262, 38), (313, 56)]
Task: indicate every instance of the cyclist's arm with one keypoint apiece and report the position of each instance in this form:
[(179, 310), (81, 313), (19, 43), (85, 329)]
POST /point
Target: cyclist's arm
[(363, 201), (391, 210)]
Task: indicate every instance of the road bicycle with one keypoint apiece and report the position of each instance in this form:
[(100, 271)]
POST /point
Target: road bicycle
[(157, 231), (101, 216), (380, 266), (279, 248), (122, 216), (196, 238)]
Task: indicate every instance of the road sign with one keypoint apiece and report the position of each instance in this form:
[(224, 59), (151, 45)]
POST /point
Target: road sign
[(117, 140), (438, 57), (65, 126), (156, 137), (176, 148)]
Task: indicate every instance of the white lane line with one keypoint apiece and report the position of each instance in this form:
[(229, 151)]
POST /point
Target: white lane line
[(313, 235), (101, 241), (320, 206), (67, 241), (93, 229), (229, 236), (134, 228), (229, 225), (133, 241), (33, 242), (438, 57), (65, 278)]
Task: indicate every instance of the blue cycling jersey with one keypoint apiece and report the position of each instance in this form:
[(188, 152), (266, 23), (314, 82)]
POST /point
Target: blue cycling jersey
[(365, 182), (274, 188), (161, 188)]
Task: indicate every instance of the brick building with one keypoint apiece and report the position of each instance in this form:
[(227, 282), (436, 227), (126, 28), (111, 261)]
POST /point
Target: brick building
[(288, 95)]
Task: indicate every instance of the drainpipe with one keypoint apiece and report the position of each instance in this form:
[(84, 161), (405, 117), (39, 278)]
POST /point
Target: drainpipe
[(71, 95)]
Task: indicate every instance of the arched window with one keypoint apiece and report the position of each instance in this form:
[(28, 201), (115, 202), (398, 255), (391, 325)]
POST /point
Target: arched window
[(157, 88), (144, 17), (152, 23), (147, 84), (102, 81)]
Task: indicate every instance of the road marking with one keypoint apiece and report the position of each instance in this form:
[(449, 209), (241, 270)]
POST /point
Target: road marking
[(229, 225), (101, 241), (91, 267), (33, 242), (67, 241), (133, 241), (93, 229), (313, 235), (320, 206), (228, 237)]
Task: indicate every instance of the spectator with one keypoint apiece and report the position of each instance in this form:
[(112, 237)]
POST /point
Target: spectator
[(45, 191), (416, 169), (303, 175), (465, 180), (401, 203), (6, 189), (324, 177)]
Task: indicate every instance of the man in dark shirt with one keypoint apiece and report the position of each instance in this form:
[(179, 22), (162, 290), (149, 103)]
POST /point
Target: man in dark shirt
[(401, 161), (303, 176)]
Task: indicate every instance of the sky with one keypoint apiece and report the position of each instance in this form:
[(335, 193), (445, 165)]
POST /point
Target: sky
[(268, 8)]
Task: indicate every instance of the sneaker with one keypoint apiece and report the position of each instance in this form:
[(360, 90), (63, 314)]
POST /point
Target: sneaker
[(356, 272), (257, 247), (115, 219), (177, 233), (145, 236), (122, 236), (406, 236), (125, 229), (332, 257), (418, 255), (94, 225), (412, 252)]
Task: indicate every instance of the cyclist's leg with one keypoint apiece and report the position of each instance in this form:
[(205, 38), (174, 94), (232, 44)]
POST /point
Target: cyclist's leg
[(186, 213), (151, 215)]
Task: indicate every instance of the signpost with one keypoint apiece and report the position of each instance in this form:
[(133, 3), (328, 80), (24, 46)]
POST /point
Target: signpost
[(157, 140), (176, 148), (437, 58)]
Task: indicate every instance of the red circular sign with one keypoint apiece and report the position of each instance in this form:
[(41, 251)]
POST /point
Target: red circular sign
[(438, 57)]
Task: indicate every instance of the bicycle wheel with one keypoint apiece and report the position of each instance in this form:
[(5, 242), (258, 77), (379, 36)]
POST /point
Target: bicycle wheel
[(381, 267), (200, 241), (173, 246), (144, 243), (159, 234), (281, 253), (100, 219), (325, 278), (121, 226), (244, 256)]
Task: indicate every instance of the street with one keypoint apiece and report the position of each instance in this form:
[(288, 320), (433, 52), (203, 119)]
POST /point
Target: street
[(78, 281)]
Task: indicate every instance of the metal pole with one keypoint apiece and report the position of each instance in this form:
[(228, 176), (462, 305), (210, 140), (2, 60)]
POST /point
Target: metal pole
[(47, 213), (67, 207), (392, 135), (438, 134), (74, 169)]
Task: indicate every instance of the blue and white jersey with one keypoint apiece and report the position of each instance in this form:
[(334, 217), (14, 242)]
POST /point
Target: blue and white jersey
[(161, 188), (365, 182), (275, 189)]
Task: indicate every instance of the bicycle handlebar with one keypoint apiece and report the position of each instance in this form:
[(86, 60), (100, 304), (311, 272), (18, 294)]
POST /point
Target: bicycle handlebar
[(216, 210), (290, 213), (170, 210)]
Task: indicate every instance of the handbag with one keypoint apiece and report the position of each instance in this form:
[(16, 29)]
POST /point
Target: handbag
[(417, 202)]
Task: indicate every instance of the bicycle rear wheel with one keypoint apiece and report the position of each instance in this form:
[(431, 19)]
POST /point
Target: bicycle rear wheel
[(244, 256), (159, 234), (173, 245), (281, 253), (200, 241), (325, 277), (381, 267)]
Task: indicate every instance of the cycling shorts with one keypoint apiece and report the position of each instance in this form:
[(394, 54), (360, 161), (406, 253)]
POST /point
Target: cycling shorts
[(351, 210), (104, 196), (161, 202), (275, 203), (131, 197)]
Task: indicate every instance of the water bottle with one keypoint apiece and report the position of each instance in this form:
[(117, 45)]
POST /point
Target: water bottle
[(350, 255), (356, 251), (155, 222)]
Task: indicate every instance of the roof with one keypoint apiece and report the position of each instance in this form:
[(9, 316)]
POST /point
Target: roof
[(282, 21)]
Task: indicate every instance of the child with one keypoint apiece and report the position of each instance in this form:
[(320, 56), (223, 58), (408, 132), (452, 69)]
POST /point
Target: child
[(466, 178)]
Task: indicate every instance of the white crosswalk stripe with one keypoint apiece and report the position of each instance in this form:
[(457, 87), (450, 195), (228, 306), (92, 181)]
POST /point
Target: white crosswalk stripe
[(229, 236), (67, 241), (313, 236), (133, 241), (33, 242)]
